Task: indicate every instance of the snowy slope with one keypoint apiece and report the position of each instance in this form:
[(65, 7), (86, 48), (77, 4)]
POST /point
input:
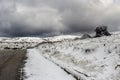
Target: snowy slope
[(89, 59), (19, 42), (28, 42), (38, 68), (71, 57)]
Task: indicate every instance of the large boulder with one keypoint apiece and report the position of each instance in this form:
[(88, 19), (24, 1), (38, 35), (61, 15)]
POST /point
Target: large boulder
[(102, 31), (85, 35), (105, 31)]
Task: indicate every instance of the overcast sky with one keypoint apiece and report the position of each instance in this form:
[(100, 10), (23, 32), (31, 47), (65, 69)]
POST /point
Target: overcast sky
[(38, 17)]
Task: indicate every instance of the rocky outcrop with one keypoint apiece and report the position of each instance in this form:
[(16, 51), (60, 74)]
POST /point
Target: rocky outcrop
[(102, 31), (85, 35)]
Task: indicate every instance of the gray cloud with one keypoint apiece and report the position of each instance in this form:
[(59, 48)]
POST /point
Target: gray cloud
[(37, 17)]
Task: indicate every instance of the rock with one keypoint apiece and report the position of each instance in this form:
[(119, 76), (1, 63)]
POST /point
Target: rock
[(102, 31), (85, 35)]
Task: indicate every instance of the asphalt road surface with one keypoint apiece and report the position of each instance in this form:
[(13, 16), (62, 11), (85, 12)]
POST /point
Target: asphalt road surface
[(11, 62)]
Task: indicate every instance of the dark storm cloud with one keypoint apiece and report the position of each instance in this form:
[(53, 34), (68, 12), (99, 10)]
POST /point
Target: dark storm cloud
[(37, 17)]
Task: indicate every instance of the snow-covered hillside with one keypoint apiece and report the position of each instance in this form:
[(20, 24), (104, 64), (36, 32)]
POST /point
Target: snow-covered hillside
[(29, 42), (88, 59), (77, 59), (19, 42)]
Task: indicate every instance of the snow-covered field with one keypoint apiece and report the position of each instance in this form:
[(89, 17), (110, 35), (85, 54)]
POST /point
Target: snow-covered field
[(19, 42), (88, 59), (70, 58), (29, 42)]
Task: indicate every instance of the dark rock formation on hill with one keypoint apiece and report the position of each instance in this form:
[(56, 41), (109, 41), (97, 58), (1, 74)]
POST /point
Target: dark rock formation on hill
[(102, 31), (85, 35)]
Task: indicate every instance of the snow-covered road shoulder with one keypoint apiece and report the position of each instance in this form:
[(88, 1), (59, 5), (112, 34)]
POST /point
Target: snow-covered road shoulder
[(39, 68)]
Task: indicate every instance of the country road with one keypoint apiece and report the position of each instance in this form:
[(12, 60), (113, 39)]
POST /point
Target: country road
[(11, 62)]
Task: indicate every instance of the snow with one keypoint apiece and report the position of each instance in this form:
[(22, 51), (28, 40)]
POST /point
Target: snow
[(19, 42), (39, 68), (88, 59), (62, 37), (28, 42)]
